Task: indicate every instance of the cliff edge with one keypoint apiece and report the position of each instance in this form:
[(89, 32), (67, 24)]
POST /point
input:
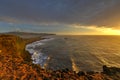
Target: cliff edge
[(15, 64)]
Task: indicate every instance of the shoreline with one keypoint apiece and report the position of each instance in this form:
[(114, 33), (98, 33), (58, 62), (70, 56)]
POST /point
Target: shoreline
[(37, 56), (12, 47)]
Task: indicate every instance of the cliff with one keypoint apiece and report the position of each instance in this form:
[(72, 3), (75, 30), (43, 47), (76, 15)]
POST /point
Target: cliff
[(15, 64)]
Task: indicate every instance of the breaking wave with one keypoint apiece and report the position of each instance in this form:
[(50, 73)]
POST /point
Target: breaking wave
[(36, 55)]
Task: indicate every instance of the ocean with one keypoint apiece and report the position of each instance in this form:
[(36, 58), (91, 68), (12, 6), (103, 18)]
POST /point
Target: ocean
[(88, 53)]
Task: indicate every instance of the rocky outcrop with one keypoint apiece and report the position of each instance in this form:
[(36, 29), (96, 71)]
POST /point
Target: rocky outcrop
[(15, 64), (112, 72)]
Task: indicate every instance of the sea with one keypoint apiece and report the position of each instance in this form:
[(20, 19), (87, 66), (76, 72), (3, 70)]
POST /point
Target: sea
[(78, 52)]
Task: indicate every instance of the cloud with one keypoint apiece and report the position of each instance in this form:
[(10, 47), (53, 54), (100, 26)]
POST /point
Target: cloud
[(84, 12)]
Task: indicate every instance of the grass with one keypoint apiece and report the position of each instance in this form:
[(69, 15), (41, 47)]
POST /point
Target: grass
[(15, 64)]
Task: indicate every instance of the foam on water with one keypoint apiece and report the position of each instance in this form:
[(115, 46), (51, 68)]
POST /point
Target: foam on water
[(76, 52), (36, 55)]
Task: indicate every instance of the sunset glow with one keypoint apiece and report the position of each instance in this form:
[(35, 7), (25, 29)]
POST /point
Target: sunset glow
[(110, 31), (64, 17), (92, 30)]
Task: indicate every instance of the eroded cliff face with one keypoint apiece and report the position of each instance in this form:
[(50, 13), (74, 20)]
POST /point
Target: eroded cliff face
[(12, 62), (15, 64), (8, 43)]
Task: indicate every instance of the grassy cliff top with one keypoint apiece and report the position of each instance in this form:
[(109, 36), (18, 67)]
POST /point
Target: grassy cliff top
[(15, 64)]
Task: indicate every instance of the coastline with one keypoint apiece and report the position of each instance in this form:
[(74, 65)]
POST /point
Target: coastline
[(37, 56), (15, 65)]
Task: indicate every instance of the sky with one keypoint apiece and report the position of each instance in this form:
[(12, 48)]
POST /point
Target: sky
[(74, 17)]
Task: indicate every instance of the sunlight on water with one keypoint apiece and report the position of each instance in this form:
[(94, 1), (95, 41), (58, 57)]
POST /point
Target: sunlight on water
[(81, 52), (74, 66)]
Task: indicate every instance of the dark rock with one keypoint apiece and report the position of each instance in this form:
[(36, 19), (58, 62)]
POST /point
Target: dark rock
[(106, 70), (81, 73), (89, 78), (90, 72), (65, 70)]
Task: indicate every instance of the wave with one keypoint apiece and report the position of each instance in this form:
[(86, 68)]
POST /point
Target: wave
[(36, 55)]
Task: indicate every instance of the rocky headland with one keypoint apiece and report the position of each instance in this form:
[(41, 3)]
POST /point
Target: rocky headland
[(16, 64)]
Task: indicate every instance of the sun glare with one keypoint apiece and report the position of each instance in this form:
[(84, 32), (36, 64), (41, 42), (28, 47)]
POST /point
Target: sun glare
[(110, 31), (95, 30), (104, 31)]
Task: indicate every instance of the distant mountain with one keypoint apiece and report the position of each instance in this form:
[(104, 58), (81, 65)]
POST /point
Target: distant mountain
[(28, 34)]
